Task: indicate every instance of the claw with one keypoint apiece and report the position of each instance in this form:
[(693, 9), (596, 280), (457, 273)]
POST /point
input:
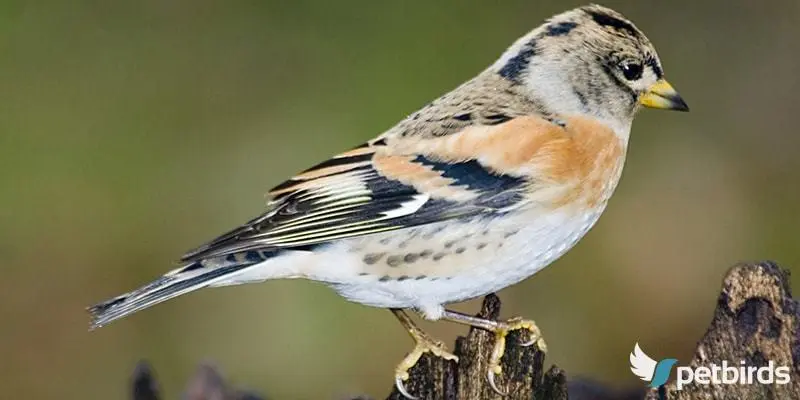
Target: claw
[(500, 346), (491, 374), (424, 344), (401, 387), (530, 326)]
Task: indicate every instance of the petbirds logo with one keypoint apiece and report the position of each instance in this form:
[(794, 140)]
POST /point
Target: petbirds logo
[(650, 370), (657, 372)]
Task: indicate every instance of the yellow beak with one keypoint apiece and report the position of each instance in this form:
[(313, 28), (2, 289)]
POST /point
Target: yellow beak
[(662, 95)]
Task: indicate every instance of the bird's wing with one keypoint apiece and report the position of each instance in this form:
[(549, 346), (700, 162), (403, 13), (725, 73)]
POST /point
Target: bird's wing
[(641, 364), (400, 181), (377, 187)]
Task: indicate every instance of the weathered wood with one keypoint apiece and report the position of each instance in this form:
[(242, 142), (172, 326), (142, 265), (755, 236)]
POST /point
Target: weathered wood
[(756, 320)]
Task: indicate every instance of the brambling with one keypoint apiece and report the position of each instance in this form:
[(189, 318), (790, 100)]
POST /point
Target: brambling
[(476, 191)]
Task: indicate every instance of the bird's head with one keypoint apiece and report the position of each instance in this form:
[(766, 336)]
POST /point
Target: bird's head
[(591, 61)]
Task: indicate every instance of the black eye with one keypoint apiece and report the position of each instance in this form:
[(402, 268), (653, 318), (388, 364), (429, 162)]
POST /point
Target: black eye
[(631, 70)]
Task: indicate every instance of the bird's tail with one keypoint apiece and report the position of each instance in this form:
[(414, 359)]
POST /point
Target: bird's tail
[(184, 280)]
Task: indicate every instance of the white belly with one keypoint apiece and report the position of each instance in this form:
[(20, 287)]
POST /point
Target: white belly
[(429, 266)]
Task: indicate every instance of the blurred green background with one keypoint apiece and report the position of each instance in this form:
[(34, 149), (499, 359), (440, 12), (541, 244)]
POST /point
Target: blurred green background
[(131, 131)]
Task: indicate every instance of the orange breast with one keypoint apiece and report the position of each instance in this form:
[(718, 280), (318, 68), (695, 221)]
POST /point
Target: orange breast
[(588, 162)]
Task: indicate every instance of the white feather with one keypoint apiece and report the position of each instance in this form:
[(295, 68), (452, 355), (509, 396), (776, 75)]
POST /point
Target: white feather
[(408, 207)]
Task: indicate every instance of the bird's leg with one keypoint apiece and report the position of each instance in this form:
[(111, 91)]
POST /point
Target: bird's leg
[(423, 344), (500, 330)]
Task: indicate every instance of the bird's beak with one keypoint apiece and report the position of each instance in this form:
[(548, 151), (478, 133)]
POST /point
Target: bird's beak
[(662, 95)]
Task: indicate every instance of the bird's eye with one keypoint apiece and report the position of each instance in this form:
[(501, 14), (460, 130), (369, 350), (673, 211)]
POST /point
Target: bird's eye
[(631, 70)]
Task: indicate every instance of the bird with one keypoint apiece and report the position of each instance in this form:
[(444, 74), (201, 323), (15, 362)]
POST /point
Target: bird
[(476, 191)]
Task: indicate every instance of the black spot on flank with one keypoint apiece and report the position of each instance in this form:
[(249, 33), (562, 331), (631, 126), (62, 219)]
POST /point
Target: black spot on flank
[(463, 117), (370, 259), (231, 258), (449, 244), (403, 278), (438, 256), (460, 250), (425, 253), (411, 257), (384, 241), (560, 29), (421, 277), (363, 273), (481, 246), (604, 19), (519, 63), (496, 119), (394, 261), (384, 278)]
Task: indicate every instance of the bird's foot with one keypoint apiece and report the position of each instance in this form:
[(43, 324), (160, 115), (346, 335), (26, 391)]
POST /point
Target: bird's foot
[(422, 344), (501, 329)]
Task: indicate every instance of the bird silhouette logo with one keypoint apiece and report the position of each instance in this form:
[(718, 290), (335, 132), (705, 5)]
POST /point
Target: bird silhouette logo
[(648, 369)]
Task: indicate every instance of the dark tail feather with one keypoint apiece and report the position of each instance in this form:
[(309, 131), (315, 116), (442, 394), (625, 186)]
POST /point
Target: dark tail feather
[(162, 289)]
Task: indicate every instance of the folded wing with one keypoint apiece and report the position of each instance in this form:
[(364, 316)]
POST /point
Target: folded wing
[(368, 190)]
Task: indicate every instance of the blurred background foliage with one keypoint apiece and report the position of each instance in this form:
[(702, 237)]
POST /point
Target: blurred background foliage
[(131, 131)]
